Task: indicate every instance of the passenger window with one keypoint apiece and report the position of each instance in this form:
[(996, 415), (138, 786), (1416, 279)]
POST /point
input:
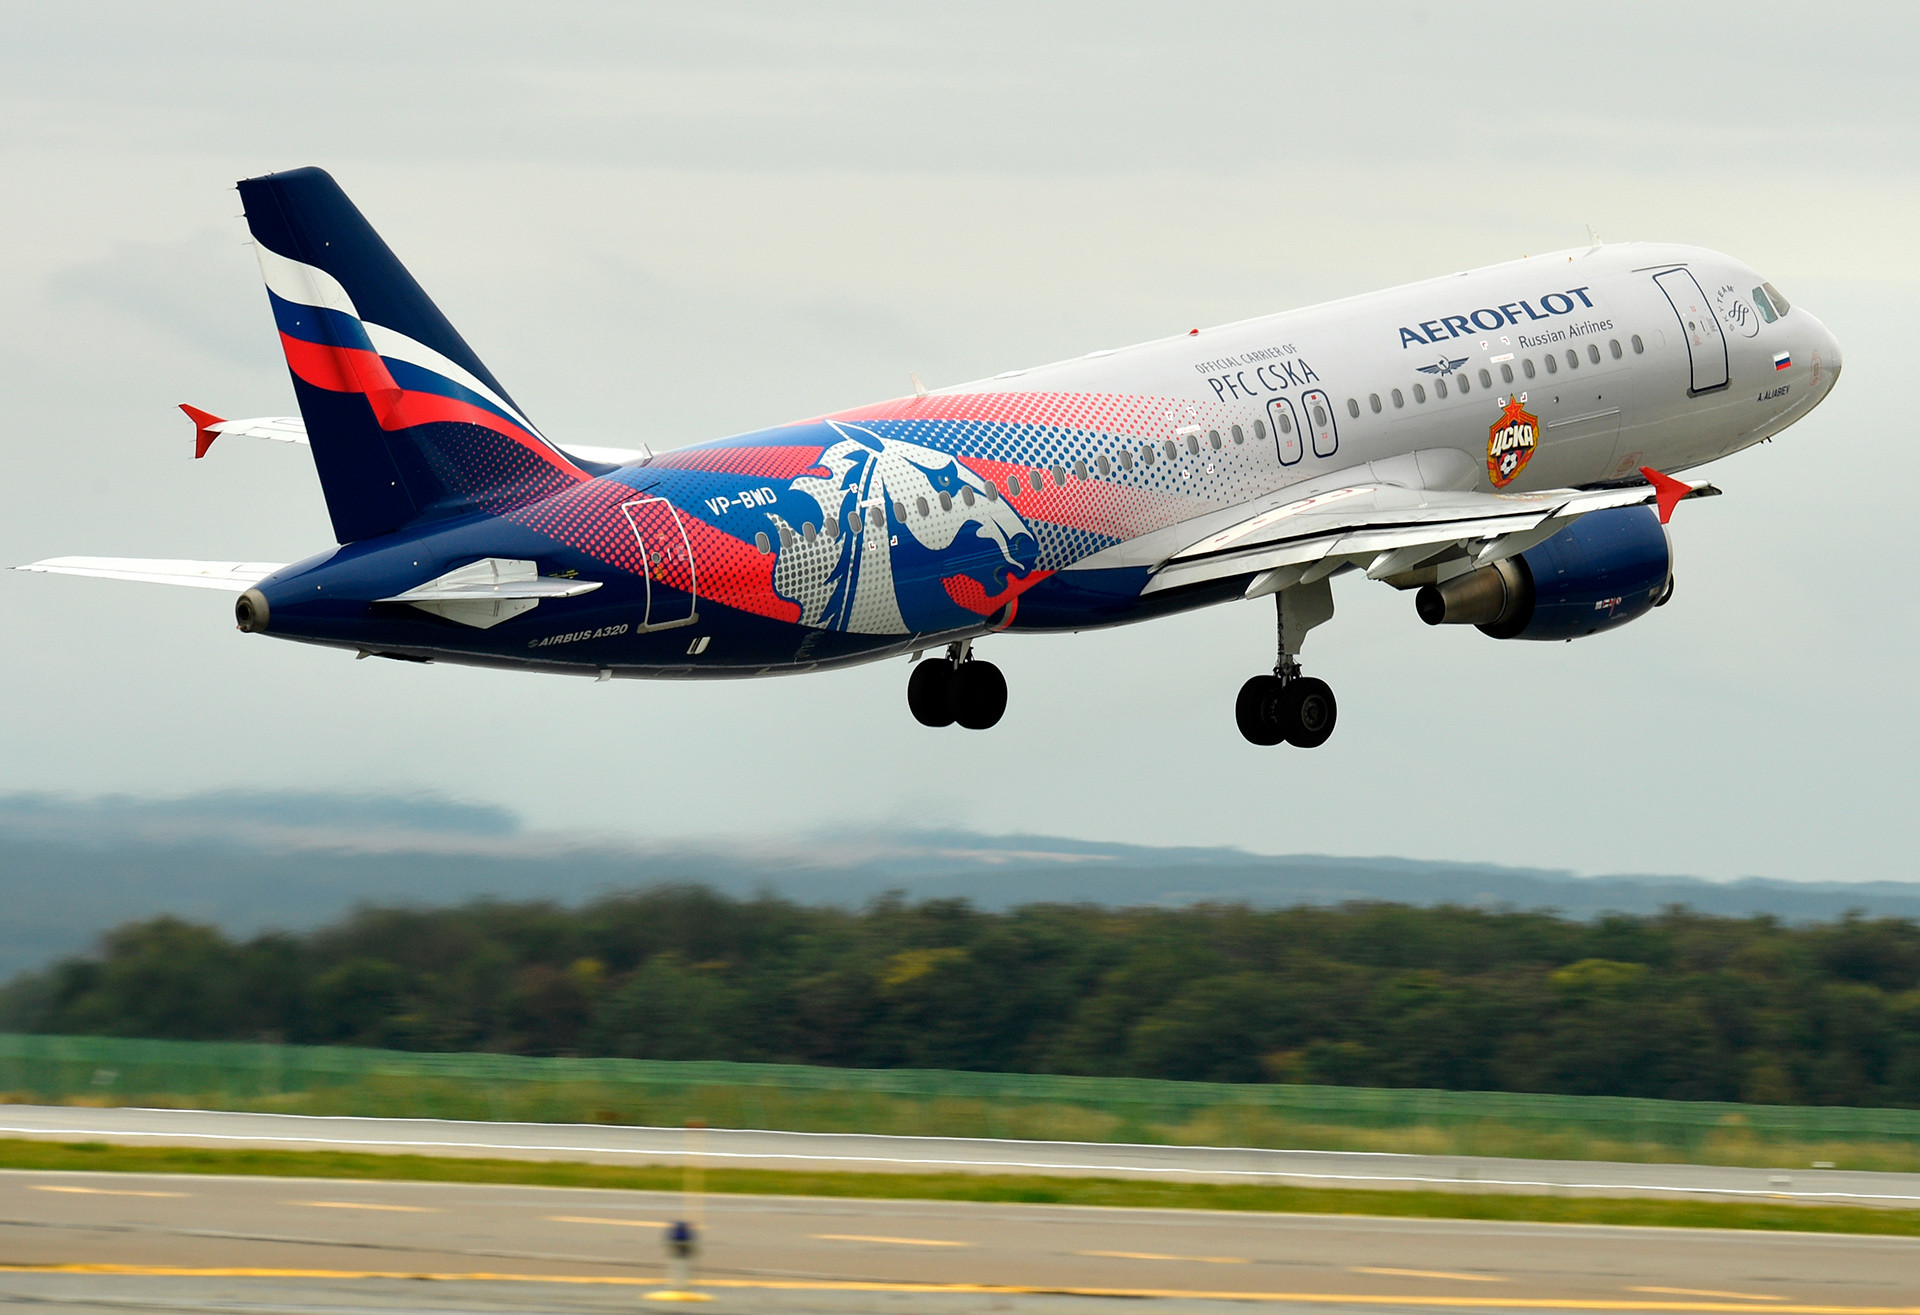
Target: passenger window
[(1765, 307), (1104, 466), (1036, 480), (808, 532), (1613, 345), (1506, 373), (1213, 439), (1526, 366), (1373, 400), (1593, 353), (1059, 477), (1486, 380), (1399, 399), (1419, 393), (1466, 385), (1013, 486), (1286, 423), (1146, 453), (1439, 387), (1193, 444), (1260, 430), (1638, 346), (1319, 415), (1353, 408), (992, 491), (762, 542), (1126, 459), (1773, 295), (966, 495), (878, 516), (1239, 436), (1080, 469), (1573, 359), (946, 502), (899, 510), (786, 537), (1553, 364), (920, 505), (1170, 449)]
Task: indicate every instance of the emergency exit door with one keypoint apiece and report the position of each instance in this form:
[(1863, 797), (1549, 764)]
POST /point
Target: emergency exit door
[(668, 556), (1700, 327)]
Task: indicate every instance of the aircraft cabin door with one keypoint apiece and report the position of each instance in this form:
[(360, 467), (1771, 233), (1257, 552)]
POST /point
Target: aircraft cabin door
[(1286, 430), (1706, 344), (670, 574)]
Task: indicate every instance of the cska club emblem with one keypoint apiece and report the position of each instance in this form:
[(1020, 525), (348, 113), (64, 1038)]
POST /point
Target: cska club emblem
[(1510, 443)]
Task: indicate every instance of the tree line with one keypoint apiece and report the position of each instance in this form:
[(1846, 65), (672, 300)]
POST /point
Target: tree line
[(1679, 1005)]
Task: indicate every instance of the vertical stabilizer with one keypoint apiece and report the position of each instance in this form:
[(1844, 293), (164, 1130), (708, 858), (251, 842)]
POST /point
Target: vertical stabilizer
[(405, 421)]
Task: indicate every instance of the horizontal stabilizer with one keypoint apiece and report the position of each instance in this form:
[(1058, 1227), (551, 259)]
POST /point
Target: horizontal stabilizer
[(230, 576), (292, 429), (489, 591)]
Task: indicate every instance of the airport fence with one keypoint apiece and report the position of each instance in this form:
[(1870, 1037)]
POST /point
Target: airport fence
[(340, 1080)]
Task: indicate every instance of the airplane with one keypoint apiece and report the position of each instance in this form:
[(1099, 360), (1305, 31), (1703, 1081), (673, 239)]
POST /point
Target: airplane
[(1500, 442)]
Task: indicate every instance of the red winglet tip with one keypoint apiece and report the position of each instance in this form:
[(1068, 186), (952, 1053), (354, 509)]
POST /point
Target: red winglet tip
[(203, 434), (1667, 491)]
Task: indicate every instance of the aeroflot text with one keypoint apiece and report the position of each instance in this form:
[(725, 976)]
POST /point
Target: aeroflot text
[(1489, 318)]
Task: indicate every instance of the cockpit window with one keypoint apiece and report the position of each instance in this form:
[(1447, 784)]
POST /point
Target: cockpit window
[(1779, 302), (1765, 307)]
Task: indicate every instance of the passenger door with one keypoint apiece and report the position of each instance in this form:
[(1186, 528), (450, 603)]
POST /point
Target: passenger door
[(1700, 327), (668, 557)]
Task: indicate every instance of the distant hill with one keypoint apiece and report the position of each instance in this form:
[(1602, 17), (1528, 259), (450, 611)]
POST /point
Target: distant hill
[(70, 868)]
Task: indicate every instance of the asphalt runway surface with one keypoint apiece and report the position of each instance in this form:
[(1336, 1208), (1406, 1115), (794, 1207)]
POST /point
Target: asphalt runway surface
[(745, 1148), (76, 1241)]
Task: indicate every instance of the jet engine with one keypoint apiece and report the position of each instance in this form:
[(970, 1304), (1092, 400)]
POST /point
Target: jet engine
[(1602, 571)]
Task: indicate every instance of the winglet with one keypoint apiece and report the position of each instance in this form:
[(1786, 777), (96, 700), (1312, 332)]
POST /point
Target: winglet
[(204, 432), (1667, 491)]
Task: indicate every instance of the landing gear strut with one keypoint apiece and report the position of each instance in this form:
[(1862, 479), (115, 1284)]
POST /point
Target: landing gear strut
[(1287, 706), (958, 688)]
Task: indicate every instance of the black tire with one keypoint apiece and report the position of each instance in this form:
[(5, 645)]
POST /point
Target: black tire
[(979, 695), (1258, 709), (1309, 713), (930, 692)]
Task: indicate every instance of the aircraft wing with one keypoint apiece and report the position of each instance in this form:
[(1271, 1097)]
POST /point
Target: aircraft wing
[(233, 577), (1389, 530), (292, 429)]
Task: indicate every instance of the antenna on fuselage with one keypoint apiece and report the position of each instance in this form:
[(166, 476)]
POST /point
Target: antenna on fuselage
[(1597, 243), (919, 389)]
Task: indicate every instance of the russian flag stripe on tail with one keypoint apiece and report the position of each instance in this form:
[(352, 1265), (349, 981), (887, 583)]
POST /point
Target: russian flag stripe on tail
[(404, 420)]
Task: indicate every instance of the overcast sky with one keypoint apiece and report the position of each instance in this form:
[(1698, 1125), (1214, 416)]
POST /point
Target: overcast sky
[(670, 223)]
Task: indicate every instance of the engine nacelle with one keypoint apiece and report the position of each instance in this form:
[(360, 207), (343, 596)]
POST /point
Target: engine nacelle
[(1602, 571)]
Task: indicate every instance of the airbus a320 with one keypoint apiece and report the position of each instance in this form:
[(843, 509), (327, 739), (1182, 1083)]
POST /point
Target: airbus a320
[(1502, 443)]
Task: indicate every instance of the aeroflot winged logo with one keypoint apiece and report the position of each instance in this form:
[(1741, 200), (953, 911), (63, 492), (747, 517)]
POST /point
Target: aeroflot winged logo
[(1510, 443)]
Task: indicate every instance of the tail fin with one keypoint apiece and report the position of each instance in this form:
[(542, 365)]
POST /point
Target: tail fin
[(404, 420)]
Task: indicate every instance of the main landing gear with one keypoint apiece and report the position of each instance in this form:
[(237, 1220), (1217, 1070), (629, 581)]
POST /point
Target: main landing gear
[(1287, 706), (957, 688)]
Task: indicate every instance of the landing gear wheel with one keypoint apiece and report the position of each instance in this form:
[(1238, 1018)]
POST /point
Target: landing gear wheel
[(979, 694), (1258, 710), (930, 692), (1309, 711)]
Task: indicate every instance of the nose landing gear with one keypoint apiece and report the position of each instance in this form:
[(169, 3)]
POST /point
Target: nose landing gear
[(958, 688), (1287, 706)]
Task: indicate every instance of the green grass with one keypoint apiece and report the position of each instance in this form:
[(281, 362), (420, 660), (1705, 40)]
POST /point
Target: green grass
[(103, 1158)]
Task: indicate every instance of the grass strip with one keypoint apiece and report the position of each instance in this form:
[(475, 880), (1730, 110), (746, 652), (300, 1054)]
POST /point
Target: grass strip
[(1028, 1188)]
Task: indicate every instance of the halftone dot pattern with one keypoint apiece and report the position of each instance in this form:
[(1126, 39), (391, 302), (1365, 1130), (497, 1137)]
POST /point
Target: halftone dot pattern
[(753, 462), (589, 519), (494, 471)]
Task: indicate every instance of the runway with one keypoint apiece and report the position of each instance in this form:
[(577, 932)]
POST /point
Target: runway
[(859, 1152), (91, 1241)]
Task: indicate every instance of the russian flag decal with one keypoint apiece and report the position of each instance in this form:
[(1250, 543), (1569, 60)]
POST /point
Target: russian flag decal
[(1781, 360)]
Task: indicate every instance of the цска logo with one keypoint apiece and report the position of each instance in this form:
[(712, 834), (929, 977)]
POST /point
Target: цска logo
[(1510, 443)]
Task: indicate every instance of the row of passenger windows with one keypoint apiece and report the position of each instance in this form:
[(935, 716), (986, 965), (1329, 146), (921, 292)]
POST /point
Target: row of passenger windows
[(1151, 453), (1034, 480), (1464, 380)]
